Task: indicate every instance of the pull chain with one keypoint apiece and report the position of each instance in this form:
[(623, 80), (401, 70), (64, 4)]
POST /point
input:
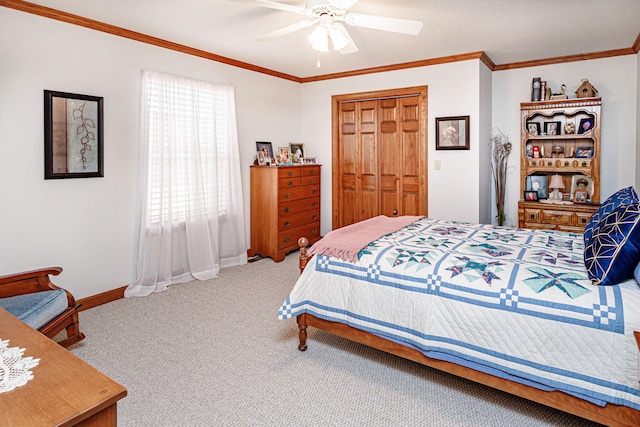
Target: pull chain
[(318, 63)]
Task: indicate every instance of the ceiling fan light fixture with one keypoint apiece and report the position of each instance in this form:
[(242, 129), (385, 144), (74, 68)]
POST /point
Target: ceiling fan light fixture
[(319, 39), (337, 38)]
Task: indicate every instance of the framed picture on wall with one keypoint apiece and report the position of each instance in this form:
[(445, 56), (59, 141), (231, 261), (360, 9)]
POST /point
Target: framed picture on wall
[(452, 133), (73, 135)]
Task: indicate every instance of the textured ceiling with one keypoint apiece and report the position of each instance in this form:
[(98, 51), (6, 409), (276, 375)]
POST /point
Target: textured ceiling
[(507, 31)]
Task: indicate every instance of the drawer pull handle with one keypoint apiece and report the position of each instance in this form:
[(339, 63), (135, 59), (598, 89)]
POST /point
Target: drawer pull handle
[(286, 210), (314, 191), (312, 181), (314, 217), (286, 223), (290, 183), (286, 239), (289, 173), (312, 172), (286, 195), (314, 204), (314, 231)]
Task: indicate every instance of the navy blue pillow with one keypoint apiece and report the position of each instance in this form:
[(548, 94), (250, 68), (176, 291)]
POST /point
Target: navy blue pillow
[(621, 197), (614, 251)]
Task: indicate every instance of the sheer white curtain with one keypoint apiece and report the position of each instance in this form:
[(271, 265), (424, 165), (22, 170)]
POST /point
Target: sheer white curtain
[(192, 219)]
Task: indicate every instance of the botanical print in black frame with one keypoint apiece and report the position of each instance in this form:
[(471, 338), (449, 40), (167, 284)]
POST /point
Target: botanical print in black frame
[(73, 135)]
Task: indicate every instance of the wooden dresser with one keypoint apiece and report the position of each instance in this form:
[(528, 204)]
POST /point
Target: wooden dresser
[(572, 218), (285, 205)]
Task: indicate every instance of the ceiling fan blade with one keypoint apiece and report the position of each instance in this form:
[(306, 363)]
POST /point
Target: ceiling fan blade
[(396, 25), (351, 46), (272, 5), (286, 30), (343, 4)]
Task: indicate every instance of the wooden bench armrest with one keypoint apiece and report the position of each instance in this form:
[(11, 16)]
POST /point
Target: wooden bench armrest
[(29, 282)]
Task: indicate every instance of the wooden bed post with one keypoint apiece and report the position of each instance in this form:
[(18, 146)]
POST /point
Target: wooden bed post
[(302, 333), (304, 258)]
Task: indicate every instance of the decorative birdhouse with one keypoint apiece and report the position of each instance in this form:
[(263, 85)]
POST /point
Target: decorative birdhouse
[(586, 90)]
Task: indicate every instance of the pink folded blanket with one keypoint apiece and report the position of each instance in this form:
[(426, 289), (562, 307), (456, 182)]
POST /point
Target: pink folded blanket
[(346, 242)]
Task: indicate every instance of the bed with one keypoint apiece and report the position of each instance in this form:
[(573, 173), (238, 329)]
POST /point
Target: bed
[(515, 309)]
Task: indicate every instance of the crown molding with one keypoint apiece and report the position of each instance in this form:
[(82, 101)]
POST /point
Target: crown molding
[(133, 35)]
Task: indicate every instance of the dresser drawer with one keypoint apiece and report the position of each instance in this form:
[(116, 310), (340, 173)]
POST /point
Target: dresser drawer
[(310, 180), (289, 182), (583, 218), (294, 221), (557, 217), (532, 215), (297, 193), (310, 171), (298, 206), (285, 172), (289, 238)]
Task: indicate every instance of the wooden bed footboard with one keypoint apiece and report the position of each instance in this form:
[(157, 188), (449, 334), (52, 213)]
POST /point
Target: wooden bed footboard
[(610, 415)]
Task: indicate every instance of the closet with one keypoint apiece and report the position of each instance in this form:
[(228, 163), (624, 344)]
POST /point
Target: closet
[(379, 154)]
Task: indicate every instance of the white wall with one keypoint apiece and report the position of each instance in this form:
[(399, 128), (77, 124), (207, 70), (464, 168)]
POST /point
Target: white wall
[(616, 80), (89, 226), (453, 90), (487, 209)]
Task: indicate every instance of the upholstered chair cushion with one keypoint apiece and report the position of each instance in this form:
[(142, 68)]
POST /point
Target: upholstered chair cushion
[(36, 309)]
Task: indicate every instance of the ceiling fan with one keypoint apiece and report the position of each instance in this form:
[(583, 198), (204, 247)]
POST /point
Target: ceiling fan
[(328, 16)]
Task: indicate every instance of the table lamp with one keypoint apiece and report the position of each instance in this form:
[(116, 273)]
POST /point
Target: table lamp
[(556, 185)]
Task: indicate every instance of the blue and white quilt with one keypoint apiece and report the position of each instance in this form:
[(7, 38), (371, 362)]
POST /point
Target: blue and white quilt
[(514, 303)]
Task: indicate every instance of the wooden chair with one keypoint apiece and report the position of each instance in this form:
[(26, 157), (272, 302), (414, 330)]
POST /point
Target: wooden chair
[(31, 282)]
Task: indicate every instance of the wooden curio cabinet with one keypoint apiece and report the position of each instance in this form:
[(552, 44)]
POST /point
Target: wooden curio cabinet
[(560, 137)]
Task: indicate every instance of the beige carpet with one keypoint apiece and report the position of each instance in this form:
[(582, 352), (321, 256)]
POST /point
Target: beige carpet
[(215, 354)]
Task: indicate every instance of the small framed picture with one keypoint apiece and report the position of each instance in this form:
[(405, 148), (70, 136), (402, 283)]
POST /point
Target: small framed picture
[(309, 160), (531, 196), (585, 125), (297, 152), (261, 158), (581, 183), (452, 133), (533, 128), (539, 184), (584, 152), (552, 128), (580, 196), (285, 156), (267, 150)]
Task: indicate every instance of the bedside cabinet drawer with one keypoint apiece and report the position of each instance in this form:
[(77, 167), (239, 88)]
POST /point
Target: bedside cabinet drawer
[(557, 217)]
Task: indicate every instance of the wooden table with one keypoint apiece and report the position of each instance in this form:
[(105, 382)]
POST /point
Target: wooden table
[(64, 391)]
